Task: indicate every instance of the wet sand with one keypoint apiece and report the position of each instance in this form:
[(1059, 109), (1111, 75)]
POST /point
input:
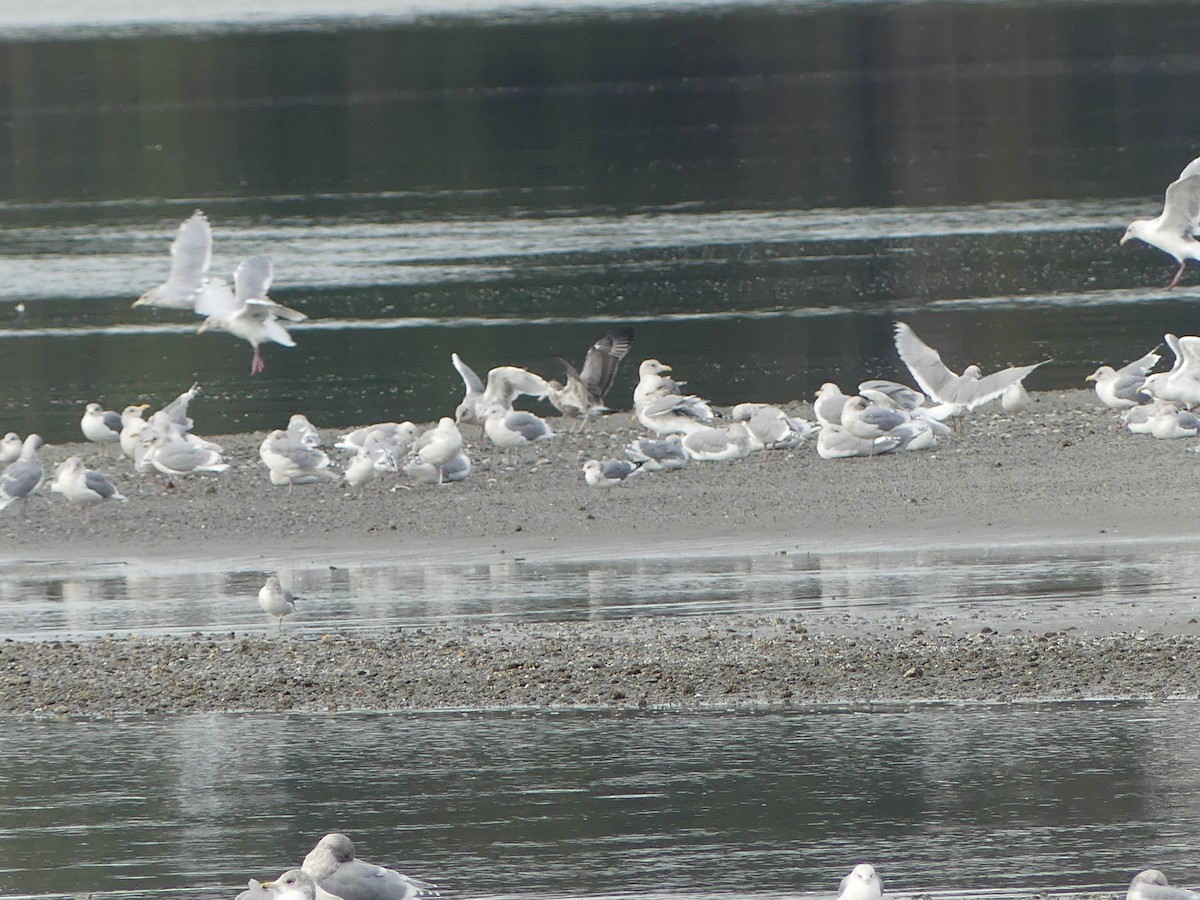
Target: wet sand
[(1060, 471)]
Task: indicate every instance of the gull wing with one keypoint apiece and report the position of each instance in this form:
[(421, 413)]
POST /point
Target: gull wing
[(472, 382), (602, 359), (975, 392), (926, 365), (1140, 367), (191, 253), (252, 279), (1181, 207)]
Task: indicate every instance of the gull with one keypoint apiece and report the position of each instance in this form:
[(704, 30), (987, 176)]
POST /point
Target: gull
[(916, 434), (836, 442), (439, 445), (583, 396), (10, 448), (1169, 423), (718, 444), (660, 405), (397, 437), (372, 458), (606, 473), (177, 410), (1122, 388), (294, 884), (302, 430), (1015, 398), (504, 385), (291, 462), (829, 402), (870, 420), (247, 312), (510, 430), (276, 600), (332, 865), (970, 389), (1151, 884), (891, 393), (653, 383), (1173, 230), (456, 470), (101, 426), (861, 884), (24, 476), (770, 428), (188, 280), (656, 456), (1138, 418), (132, 426), (1181, 385), (81, 486), (174, 455)]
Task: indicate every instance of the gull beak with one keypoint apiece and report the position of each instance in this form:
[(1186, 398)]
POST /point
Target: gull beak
[(667, 368), (1090, 378), (144, 406), (203, 328), (1124, 240)]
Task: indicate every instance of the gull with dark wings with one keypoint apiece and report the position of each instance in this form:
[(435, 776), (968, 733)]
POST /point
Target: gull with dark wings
[(583, 395)]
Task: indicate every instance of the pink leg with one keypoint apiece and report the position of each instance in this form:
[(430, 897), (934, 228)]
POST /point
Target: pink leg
[(1178, 275), (257, 364)]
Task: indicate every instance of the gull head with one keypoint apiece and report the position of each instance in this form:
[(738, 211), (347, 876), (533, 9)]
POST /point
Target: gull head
[(1136, 229), (652, 367), (1102, 373)]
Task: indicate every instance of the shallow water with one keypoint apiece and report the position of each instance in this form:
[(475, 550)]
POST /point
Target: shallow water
[(1105, 588), (966, 802), (760, 189)]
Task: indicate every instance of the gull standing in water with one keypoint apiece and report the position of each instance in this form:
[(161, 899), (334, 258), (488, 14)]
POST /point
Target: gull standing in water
[(332, 865), (24, 476), (968, 390), (861, 884), (247, 312), (276, 600), (81, 486), (1173, 231)]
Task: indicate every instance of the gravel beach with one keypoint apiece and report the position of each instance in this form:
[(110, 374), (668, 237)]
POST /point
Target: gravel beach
[(1059, 471)]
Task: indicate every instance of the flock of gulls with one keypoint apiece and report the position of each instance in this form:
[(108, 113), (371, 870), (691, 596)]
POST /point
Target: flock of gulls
[(682, 428)]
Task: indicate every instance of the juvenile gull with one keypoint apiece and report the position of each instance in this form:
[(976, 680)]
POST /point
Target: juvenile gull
[(861, 884), (607, 473), (970, 389), (101, 426), (656, 456), (332, 865), (1122, 388), (276, 600), (1173, 230), (10, 448), (583, 396), (24, 476), (291, 462), (1151, 884), (81, 486), (191, 258), (247, 312)]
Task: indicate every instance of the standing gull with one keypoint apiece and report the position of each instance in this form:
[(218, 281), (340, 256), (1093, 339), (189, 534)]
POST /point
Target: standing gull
[(332, 865), (132, 426), (969, 390), (81, 486), (1173, 230), (276, 600), (24, 476), (247, 312), (101, 426), (439, 445)]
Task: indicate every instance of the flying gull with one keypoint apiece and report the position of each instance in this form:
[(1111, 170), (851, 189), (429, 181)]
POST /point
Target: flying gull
[(191, 258), (1173, 230), (247, 312)]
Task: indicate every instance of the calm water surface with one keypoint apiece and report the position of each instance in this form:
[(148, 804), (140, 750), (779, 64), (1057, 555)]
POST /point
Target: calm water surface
[(970, 802)]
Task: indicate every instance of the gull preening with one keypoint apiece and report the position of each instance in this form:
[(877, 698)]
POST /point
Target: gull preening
[(1173, 230), (333, 866), (81, 486), (968, 390), (1151, 884), (276, 600)]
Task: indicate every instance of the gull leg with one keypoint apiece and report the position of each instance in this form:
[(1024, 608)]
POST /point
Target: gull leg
[(257, 364), (1178, 275)]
